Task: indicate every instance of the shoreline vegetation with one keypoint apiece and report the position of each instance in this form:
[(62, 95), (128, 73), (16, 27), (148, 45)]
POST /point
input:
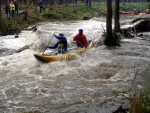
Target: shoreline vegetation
[(79, 11)]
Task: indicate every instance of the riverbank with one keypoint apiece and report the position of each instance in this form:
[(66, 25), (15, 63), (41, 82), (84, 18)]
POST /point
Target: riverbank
[(77, 11)]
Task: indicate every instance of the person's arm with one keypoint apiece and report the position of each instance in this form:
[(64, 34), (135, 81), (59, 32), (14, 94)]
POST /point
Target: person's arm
[(58, 37), (75, 38), (54, 46)]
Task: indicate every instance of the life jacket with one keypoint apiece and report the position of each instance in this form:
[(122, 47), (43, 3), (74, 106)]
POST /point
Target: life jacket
[(60, 44)]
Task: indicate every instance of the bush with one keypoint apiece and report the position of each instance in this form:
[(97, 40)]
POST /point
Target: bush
[(51, 15), (9, 28)]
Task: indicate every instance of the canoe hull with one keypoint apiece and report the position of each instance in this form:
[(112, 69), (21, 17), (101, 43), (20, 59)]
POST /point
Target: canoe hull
[(123, 12), (60, 57)]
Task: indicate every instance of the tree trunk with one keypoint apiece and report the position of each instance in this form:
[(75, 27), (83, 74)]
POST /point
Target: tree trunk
[(1, 20), (117, 23), (109, 19), (35, 8), (110, 38)]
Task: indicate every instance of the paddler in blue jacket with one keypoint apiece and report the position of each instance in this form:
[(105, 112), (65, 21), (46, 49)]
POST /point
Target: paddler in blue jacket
[(61, 43)]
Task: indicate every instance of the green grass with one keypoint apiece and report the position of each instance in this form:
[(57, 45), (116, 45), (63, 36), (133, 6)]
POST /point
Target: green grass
[(64, 13), (132, 6)]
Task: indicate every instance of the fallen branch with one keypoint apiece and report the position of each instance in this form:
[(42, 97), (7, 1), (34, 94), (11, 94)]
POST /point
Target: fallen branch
[(22, 49), (34, 28)]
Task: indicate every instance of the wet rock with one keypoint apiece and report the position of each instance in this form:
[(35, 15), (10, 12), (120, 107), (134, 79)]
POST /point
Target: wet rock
[(6, 51), (86, 18), (120, 109), (37, 111), (16, 36), (23, 48), (142, 26), (34, 28)]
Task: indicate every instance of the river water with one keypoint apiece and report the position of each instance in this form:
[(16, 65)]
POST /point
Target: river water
[(82, 85)]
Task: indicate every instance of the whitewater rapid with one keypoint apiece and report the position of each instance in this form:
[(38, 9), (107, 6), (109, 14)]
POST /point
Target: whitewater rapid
[(85, 84)]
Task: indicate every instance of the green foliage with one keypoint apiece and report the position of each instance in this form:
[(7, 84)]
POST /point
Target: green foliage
[(146, 101), (132, 6), (32, 6), (141, 103), (143, 97), (73, 12), (149, 6), (9, 28), (51, 15), (117, 92), (64, 12)]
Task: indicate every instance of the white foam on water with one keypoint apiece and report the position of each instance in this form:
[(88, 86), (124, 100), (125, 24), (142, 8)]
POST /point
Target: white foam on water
[(83, 84)]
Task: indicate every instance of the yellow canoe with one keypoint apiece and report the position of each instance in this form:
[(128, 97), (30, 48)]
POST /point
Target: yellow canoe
[(66, 56)]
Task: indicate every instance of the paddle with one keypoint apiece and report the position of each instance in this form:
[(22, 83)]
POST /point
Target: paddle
[(48, 43)]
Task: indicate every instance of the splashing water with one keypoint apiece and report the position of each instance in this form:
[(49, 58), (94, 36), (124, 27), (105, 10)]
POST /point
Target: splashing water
[(84, 84)]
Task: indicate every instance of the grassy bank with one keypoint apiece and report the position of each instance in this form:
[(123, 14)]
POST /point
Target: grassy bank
[(60, 13)]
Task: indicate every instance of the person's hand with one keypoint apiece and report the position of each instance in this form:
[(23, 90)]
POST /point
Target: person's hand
[(53, 34), (74, 39), (73, 42)]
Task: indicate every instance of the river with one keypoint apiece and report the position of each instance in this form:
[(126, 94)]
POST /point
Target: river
[(83, 85)]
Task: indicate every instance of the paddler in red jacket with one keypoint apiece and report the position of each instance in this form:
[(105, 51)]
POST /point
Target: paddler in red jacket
[(80, 39), (147, 11)]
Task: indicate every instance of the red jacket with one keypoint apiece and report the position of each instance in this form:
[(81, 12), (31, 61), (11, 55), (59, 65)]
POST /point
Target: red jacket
[(81, 40), (147, 12)]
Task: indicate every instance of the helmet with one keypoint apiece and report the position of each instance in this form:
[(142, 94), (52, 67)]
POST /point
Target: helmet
[(80, 30), (61, 34)]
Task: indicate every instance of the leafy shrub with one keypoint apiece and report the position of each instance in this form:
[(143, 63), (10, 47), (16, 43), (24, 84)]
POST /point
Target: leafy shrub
[(51, 15)]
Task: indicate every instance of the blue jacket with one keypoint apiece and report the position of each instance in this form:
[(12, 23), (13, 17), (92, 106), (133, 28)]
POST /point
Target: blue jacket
[(40, 3), (62, 41), (7, 9)]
